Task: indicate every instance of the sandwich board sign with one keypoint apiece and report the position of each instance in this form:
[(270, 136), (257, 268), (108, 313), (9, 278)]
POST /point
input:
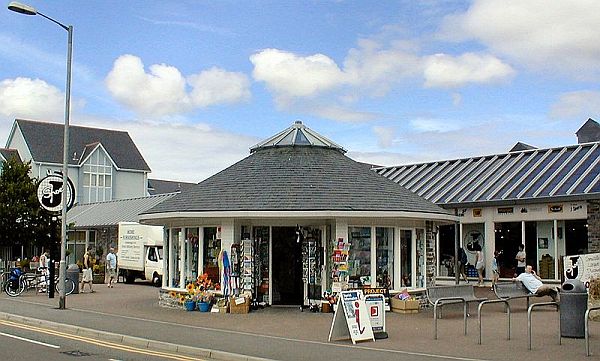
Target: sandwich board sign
[(351, 318), (376, 307)]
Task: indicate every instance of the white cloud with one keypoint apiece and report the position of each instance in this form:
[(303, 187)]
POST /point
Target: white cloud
[(432, 125), (290, 75), (30, 98), (582, 104), (217, 86), (446, 71), (183, 151), (385, 135), (163, 90), (557, 35)]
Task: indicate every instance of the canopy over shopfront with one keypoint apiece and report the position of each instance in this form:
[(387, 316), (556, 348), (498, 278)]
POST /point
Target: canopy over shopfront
[(310, 216)]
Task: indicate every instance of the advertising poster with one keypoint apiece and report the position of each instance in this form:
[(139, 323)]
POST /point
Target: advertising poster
[(582, 267), (351, 318)]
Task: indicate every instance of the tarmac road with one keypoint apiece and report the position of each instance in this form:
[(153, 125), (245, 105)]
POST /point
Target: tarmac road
[(287, 334), (26, 342)]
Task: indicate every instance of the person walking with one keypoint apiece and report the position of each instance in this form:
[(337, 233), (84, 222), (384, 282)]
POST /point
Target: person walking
[(462, 263), (111, 267), (479, 264), (521, 262), (495, 271), (87, 272)]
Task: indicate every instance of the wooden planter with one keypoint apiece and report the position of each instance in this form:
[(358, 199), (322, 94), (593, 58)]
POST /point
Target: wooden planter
[(98, 278)]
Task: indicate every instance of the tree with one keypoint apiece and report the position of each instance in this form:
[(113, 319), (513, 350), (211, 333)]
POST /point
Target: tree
[(22, 220)]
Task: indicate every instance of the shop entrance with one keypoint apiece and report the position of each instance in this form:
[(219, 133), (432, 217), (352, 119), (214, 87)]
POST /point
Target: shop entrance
[(288, 287)]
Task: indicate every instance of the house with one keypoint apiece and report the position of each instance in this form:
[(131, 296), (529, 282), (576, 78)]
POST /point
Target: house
[(103, 164)]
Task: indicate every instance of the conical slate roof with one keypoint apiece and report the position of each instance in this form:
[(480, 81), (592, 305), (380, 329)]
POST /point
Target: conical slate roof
[(297, 178), (297, 135)]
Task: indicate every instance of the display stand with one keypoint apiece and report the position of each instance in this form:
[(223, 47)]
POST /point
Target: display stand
[(311, 272), (247, 265), (339, 273)]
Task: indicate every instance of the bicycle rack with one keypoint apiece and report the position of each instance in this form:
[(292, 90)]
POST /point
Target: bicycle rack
[(436, 304), (490, 302), (587, 329), (530, 309)]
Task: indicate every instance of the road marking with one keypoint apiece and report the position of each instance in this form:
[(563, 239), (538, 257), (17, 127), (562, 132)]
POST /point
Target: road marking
[(29, 340), (101, 343)]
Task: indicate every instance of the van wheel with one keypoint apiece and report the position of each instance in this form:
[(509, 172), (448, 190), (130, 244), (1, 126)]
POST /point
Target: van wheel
[(156, 280)]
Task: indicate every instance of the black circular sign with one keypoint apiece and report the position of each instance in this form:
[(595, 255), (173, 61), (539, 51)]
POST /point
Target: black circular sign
[(50, 193)]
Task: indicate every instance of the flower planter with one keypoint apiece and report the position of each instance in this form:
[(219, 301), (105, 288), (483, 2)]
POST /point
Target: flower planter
[(189, 305), (203, 306)]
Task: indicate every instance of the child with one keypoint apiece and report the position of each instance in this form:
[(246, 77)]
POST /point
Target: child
[(495, 273)]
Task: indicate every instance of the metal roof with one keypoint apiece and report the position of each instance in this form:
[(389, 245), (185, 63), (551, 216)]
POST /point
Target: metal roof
[(112, 212), (571, 172), (297, 135)]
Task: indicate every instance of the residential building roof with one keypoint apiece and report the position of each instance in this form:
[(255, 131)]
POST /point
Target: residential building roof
[(6, 154), (112, 212), (45, 142), (538, 175), (160, 186), (295, 177), (589, 132)]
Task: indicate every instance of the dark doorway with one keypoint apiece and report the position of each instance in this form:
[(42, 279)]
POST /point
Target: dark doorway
[(576, 237), (288, 287)]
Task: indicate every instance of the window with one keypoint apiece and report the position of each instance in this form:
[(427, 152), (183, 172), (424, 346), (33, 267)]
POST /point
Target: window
[(191, 243), (384, 238), (152, 255), (212, 248), (97, 178), (406, 257), (359, 257), (76, 244)]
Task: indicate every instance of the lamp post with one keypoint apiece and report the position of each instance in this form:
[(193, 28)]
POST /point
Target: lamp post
[(29, 10)]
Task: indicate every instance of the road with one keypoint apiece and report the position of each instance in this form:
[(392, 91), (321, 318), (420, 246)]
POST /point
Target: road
[(19, 342)]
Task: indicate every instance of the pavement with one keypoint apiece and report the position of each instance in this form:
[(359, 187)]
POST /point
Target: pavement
[(130, 314)]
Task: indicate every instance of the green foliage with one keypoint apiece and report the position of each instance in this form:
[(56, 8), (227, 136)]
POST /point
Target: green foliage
[(22, 220)]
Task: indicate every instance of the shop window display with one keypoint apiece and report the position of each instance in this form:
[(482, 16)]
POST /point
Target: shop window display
[(406, 257), (211, 249), (261, 237), (385, 256), (359, 258), (175, 257), (192, 253), (421, 251)]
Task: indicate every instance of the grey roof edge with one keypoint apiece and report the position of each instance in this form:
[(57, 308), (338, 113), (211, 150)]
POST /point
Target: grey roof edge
[(481, 156), (516, 202), (166, 195)]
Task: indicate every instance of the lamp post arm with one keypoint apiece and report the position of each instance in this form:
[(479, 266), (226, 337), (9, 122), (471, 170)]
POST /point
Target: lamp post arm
[(54, 21)]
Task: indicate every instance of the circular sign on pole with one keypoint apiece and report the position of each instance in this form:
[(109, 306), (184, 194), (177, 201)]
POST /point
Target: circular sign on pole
[(50, 193)]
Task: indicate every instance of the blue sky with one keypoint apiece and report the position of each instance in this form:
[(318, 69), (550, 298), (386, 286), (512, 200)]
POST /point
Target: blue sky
[(196, 83)]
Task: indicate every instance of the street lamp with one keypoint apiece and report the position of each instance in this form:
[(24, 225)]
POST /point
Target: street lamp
[(29, 10)]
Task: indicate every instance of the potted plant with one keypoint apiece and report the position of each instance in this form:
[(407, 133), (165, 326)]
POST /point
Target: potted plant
[(205, 301)]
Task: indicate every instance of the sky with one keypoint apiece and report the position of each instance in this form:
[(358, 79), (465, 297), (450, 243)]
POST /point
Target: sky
[(196, 83)]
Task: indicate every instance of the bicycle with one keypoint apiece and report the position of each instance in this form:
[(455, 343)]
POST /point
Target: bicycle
[(37, 281)]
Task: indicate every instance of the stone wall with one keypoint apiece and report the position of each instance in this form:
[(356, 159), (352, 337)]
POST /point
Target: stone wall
[(593, 221)]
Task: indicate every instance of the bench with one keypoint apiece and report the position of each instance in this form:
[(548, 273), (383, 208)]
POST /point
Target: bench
[(443, 295), (512, 290), (439, 296)]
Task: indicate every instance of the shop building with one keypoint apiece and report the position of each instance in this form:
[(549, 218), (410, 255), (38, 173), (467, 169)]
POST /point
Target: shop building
[(302, 218), (546, 199)]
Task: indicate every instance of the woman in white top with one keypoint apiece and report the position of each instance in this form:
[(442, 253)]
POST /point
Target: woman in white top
[(480, 264)]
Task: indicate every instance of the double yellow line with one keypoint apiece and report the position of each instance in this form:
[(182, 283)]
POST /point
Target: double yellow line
[(109, 344)]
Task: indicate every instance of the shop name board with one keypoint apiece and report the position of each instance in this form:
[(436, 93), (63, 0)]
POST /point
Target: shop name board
[(375, 291), (506, 210), (555, 208)]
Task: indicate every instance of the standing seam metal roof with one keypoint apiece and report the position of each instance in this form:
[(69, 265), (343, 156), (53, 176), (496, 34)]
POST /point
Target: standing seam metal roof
[(571, 171)]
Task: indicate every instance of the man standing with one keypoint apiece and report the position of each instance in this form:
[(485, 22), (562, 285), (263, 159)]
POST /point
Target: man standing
[(111, 266), (534, 284), (521, 262)]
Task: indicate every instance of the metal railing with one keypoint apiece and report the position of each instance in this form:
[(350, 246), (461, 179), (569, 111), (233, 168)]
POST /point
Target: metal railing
[(438, 302), (529, 311), (507, 307), (587, 329)]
